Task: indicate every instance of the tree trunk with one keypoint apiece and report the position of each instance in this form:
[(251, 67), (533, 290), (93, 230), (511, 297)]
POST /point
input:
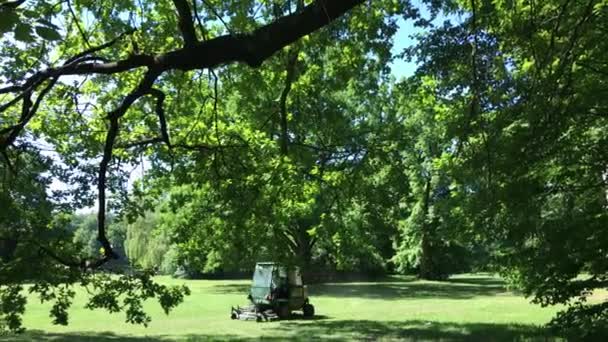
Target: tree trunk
[(7, 249), (304, 247), (428, 269)]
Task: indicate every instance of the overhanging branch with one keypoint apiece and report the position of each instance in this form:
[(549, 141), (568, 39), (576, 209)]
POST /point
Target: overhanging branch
[(251, 48), (143, 88)]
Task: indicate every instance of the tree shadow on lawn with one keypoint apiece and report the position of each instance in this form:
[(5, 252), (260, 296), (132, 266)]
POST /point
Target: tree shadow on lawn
[(414, 330), (336, 330), (105, 336), (480, 281), (230, 289), (405, 290), (394, 288)]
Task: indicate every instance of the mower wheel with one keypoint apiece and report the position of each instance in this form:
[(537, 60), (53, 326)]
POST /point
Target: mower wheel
[(308, 310)]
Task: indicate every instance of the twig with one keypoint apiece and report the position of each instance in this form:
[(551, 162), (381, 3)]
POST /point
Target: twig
[(219, 17), (84, 36)]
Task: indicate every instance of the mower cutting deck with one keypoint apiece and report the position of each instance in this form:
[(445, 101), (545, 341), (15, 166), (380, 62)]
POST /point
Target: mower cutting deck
[(250, 313)]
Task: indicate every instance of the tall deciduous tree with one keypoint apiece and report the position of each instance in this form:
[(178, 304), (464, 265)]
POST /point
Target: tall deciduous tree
[(99, 82), (527, 78), (289, 135)]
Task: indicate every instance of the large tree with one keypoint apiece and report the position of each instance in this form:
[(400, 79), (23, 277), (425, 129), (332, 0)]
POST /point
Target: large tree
[(98, 82), (293, 132), (526, 82), (94, 50)]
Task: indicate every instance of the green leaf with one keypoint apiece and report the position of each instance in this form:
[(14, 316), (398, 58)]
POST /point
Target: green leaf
[(8, 19), (23, 33), (30, 14), (47, 33)]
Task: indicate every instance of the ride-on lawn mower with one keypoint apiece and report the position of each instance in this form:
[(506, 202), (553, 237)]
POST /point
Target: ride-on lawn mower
[(275, 292)]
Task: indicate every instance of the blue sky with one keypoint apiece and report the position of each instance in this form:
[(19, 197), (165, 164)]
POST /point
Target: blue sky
[(403, 38), (401, 68)]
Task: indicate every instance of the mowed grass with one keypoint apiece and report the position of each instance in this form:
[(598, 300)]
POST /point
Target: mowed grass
[(467, 307)]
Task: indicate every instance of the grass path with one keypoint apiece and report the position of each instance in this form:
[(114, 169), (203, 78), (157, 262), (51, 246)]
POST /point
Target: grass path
[(468, 307)]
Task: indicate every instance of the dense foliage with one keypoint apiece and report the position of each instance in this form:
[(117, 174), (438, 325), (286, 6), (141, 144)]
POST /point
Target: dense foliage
[(213, 134), (523, 82)]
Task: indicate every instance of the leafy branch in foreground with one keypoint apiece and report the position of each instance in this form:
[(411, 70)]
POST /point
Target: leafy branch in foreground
[(113, 293)]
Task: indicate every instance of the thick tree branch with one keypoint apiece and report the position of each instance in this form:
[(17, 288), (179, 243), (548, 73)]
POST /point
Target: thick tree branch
[(10, 89), (186, 23), (142, 89), (252, 48), (29, 109), (37, 79), (32, 83), (255, 47)]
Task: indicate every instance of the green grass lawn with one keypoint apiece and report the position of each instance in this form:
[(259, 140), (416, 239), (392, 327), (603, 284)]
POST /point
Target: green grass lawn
[(468, 307)]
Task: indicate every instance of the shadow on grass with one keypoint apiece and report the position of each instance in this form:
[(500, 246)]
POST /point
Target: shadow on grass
[(230, 289), (37, 335), (337, 330), (345, 330), (386, 290), (480, 281), (406, 290), (296, 317), (394, 287)]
